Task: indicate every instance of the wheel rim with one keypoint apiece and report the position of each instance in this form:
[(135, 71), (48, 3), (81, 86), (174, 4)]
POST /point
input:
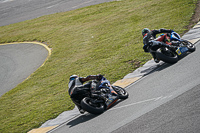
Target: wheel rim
[(120, 91)]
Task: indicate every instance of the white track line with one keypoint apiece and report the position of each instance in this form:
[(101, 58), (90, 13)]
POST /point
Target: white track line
[(148, 100)]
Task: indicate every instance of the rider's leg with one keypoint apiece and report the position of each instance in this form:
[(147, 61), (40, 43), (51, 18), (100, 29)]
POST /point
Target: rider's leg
[(154, 57), (77, 103)]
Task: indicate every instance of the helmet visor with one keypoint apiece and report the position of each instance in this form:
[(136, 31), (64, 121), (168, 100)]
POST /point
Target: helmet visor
[(72, 78)]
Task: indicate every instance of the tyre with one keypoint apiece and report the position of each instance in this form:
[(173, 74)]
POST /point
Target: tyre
[(167, 56), (123, 94), (191, 47), (94, 108)]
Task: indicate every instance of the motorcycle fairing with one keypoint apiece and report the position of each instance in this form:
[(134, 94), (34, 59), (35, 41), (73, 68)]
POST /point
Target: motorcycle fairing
[(111, 99)]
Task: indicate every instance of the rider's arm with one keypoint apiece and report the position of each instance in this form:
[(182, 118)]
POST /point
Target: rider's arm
[(91, 77), (162, 30)]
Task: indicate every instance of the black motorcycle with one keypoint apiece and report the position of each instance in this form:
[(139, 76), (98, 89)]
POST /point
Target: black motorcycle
[(171, 55), (99, 101)]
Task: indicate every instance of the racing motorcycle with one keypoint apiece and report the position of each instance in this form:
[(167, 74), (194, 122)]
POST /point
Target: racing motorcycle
[(171, 55), (99, 101)]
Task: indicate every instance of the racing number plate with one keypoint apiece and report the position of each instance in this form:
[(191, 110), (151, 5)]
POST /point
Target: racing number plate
[(181, 50)]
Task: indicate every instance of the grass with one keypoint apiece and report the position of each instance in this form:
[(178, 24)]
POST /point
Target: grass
[(104, 38)]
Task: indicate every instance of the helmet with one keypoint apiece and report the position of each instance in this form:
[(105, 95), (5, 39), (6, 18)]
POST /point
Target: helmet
[(71, 81), (145, 30), (73, 77)]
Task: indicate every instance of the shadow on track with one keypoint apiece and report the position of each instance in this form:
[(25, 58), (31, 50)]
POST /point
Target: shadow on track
[(166, 65), (87, 116), (81, 119)]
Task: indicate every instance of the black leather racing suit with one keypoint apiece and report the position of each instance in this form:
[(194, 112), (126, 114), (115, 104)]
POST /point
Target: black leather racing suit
[(150, 43), (77, 91)]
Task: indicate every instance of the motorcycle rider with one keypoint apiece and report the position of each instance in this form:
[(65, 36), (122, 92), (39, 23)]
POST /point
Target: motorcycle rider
[(77, 88), (151, 43)]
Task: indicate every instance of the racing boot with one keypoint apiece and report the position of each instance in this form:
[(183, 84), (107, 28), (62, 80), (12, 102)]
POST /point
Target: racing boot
[(174, 48), (78, 106), (155, 58), (81, 111), (98, 94)]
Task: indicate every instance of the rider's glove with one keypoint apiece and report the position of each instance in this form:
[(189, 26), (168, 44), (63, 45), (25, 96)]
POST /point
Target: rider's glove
[(162, 30), (99, 77)]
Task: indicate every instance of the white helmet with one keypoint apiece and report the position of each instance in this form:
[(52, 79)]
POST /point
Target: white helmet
[(71, 79)]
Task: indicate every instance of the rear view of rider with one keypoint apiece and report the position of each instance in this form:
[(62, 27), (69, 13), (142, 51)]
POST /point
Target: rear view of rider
[(77, 88), (150, 42)]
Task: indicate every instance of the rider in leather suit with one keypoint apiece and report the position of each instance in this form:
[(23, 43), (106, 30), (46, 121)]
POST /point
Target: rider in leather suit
[(77, 89), (150, 42)]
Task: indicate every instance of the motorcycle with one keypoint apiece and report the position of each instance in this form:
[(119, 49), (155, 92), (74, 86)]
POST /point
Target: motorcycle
[(170, 55), (104, 98)]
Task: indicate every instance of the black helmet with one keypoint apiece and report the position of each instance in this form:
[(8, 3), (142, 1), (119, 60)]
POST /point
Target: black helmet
[(145, 30)]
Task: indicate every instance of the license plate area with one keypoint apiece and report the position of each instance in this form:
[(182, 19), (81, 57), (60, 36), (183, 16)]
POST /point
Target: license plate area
[(181, 50)]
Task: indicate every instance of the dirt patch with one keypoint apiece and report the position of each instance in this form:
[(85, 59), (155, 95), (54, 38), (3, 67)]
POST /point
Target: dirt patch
[(195, 18), (135, 63)]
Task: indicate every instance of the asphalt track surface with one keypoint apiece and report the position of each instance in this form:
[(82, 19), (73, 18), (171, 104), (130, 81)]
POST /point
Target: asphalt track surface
[(18, 62), (166, 100), (179, 115), (13, 11), (12, 56)]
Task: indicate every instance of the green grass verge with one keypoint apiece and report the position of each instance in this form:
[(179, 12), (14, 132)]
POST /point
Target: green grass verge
[(104, 38)]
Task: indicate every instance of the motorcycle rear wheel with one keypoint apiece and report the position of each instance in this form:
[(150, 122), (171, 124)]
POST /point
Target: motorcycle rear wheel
[(122, 93), (167, 56), (91, 107)]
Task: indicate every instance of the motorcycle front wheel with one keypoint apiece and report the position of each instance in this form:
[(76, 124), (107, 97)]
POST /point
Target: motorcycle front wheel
[(89, 105), (191, 47), (122, 93), (167, 56)]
